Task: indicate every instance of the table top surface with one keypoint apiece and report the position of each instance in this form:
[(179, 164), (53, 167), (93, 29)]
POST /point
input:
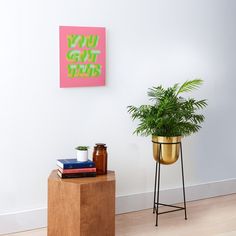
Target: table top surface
[(110, 176)]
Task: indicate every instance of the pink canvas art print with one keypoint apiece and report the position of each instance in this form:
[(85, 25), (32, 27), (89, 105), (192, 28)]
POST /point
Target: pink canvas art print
[(82, 56)]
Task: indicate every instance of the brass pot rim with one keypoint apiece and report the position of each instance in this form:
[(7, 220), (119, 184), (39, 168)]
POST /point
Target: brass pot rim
[(163, 139), (155, 136)]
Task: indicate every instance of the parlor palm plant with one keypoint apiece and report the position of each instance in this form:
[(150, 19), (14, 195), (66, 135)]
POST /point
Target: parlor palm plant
[(171, 115)]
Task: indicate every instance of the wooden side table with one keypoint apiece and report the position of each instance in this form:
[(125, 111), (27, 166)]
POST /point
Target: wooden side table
[(81, 206)]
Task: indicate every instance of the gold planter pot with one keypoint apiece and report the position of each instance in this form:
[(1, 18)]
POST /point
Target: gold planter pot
[(169, 152)]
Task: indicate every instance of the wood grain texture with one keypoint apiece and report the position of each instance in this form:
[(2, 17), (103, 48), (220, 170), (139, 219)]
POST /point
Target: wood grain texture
[(81, 206)]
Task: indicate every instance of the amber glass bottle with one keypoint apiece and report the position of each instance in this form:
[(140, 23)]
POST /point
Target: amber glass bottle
[(100, 158)]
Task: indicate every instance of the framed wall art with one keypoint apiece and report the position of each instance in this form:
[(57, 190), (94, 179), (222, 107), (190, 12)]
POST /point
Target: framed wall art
[(82, 56)]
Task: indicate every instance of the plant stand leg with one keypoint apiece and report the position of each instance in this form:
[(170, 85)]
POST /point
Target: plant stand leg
[(182, 167), (158, 186), (155, 190)]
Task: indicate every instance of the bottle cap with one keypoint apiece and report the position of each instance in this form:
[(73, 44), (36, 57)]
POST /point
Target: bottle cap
[(100, 144)]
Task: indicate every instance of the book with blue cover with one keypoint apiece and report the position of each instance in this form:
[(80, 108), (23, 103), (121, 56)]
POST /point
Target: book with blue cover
[(73, 163)]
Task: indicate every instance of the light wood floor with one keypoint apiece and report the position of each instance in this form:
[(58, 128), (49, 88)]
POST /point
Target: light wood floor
[(214, 216)]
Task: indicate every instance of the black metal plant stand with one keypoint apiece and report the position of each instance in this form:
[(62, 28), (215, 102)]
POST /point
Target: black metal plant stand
[(156, 202)]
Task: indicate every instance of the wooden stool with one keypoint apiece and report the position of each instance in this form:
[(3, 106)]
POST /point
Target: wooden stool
[(81, 206)]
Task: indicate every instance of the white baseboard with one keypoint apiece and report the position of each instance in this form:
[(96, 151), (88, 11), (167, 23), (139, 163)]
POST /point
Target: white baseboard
[(23, 220), (37, 218), (136, 202)]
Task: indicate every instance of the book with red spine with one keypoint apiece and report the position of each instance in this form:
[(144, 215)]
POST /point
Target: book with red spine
[(76, 175), (80, 170)]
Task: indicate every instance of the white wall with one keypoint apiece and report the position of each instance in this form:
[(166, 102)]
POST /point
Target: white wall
[(148, 43)]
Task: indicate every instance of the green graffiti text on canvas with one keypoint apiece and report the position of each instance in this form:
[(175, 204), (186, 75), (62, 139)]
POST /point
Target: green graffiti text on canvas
[(82, 56), (90, 41), (83, 70)]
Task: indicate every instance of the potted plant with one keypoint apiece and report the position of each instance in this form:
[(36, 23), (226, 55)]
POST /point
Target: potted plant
[(169, 118), (82, 153)]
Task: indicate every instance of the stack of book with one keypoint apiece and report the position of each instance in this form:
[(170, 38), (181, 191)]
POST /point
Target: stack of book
[(71, 168)]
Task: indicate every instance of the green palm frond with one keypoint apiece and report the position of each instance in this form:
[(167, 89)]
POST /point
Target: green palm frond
[(190, 85), (200, 104), (156, 93)]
